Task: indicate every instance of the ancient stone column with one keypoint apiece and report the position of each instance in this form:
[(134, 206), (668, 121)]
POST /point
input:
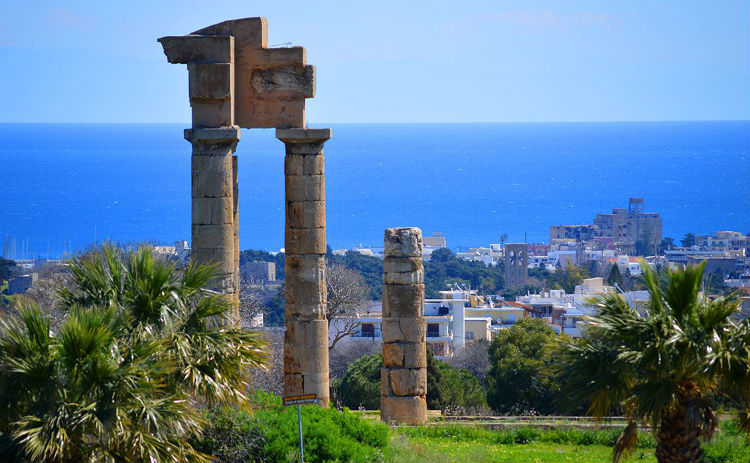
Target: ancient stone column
[(306, 337), (404, 373), (214, 228)]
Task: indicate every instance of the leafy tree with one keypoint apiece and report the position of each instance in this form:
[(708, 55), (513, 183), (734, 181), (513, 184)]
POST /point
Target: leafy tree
[(360, 386), (142, 344), (442, 255), (644, 246), (448, 388), (275, 309), (452, 389), (664, 367), (568, 277), (688, 240), (5, 268), (519, 379), (666, 244), (615, 277)]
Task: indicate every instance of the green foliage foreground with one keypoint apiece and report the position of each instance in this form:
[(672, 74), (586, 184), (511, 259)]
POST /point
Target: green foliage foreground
[(269, 434), (666, 367), (142, 345), (449, 389)]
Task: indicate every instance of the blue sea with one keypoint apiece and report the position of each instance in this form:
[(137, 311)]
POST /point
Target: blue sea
[(64, 186)]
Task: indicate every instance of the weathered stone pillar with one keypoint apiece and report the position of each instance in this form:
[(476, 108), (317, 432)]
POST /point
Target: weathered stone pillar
[(306, 337), (404, 374), (214, 229)]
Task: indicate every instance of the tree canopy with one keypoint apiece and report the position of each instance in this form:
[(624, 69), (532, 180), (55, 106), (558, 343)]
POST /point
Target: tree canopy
[(665, 366), (142, 344), (520, 378)]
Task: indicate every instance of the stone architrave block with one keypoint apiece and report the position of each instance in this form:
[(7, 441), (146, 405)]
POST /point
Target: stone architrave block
[(212, 113), (305, 188), (186, 49), (306, 214), (210, 81), (288, 80), (303, 241), (408, 410), (403, 301), (403, 242), (407, 381)]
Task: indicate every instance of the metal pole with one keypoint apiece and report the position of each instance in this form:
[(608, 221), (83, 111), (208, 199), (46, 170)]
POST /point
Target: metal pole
[(299, 427)]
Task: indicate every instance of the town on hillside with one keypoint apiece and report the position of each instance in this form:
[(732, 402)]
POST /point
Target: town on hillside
[(474, 293)]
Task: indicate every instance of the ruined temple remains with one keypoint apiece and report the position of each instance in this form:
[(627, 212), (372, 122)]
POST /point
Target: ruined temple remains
[(404, 373), (236, 81), (306, 337)]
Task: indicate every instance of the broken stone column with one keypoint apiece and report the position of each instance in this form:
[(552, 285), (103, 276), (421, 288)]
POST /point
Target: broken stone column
[(404, 373), (306, 337), (214, 204)]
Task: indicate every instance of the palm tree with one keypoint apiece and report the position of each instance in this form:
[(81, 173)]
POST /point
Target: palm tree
[(664, 367), (143, 345)]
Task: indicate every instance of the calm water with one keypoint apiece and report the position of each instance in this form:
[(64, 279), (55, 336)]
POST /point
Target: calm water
[(473, 182)]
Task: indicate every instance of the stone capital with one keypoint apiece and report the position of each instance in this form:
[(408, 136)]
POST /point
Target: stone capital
[(303, 136), (213, 136)]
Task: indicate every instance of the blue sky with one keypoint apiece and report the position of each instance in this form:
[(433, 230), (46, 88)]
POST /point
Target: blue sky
[(394, 61)]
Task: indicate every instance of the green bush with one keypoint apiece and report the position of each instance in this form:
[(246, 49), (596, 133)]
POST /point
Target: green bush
[(449, 389), (527, 435), (520, 378), (727, 449), (360, 386), (453, 390), (269, 434)]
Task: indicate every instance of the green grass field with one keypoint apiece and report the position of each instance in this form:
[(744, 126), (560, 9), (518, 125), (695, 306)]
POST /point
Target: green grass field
[(461, 443)]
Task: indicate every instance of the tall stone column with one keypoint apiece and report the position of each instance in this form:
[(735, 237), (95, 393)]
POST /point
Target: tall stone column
[(306, 337), (214, 188), (404, 373)]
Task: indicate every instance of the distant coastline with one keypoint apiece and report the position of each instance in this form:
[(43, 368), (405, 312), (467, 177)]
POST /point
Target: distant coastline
[(472, 182)]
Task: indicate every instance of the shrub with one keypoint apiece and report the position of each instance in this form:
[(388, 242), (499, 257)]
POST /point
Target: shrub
[(142, 343), (360, 386), (269, 434), (449, 389)]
